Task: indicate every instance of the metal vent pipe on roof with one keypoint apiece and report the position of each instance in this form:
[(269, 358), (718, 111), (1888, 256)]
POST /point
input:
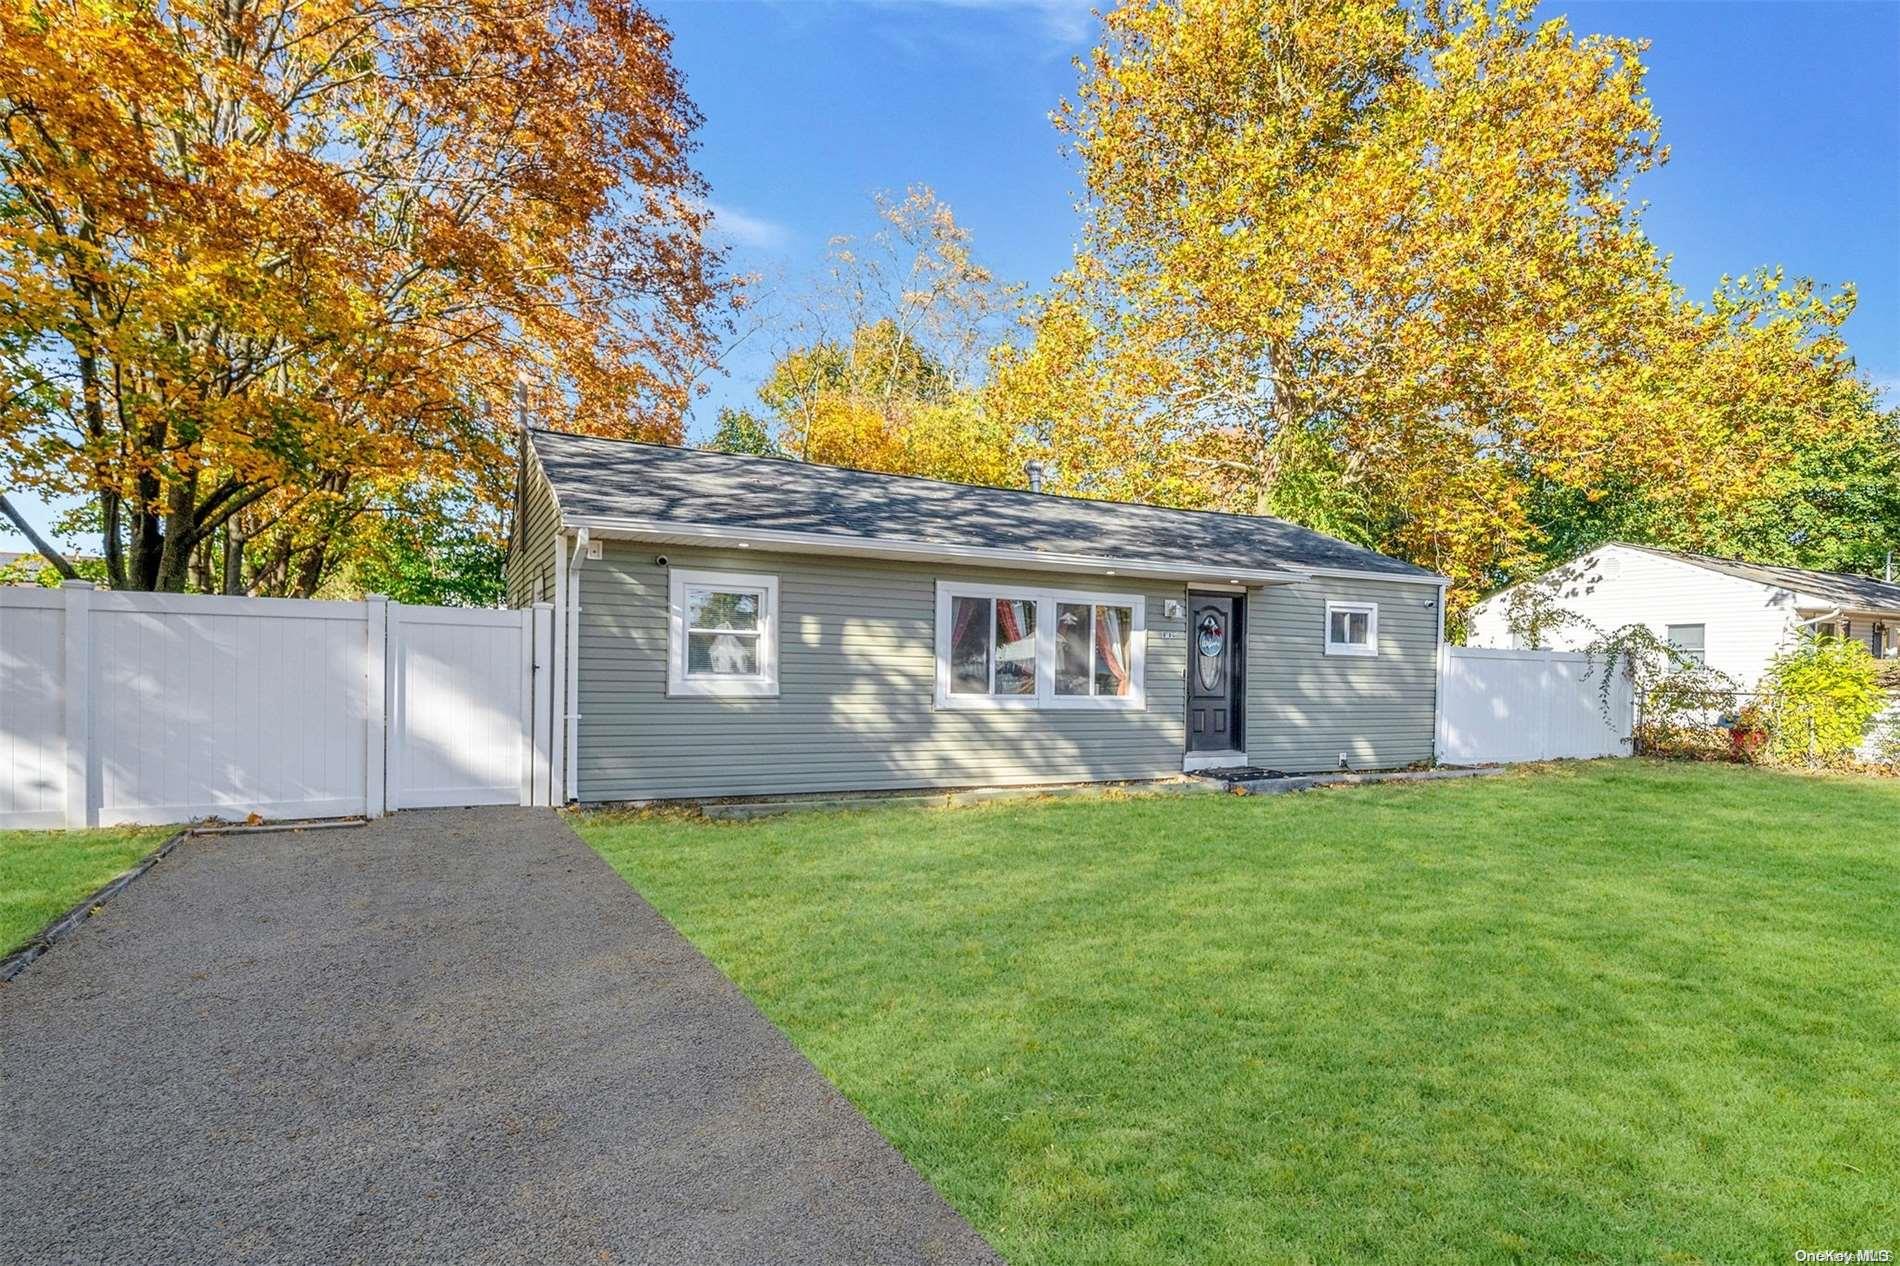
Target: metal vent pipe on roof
[(1034, 470)]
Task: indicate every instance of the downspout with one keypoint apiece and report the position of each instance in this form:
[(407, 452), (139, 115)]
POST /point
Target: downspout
[(557, 679), (1835, 614), (571, 742), (1438, 678)]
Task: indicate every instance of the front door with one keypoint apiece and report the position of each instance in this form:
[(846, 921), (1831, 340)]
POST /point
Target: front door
[(1213, 720)]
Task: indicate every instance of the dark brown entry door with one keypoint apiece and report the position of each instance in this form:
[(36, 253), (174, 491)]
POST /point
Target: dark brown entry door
[(1211, 674)]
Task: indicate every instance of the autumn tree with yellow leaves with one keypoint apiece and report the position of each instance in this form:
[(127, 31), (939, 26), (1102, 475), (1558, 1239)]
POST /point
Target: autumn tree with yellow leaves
[(272, 268), (883, 360), (1377, 267)]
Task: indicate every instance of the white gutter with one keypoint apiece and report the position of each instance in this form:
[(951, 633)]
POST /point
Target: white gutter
[(1442, 659), (1401, 578), (557, 679), (1853, 613), (572, 724), (662, 532)]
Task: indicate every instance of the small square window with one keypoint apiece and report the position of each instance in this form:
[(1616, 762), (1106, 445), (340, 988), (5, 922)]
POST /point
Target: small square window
[(1690, 640), (1352, 628), (723, 638)]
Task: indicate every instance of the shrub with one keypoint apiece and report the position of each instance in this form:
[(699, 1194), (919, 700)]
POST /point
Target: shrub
[(1821, 697), (1680, 702), (1748, 734), (1886, 744)]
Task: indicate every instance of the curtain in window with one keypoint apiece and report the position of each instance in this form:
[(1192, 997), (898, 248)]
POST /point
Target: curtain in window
[(1015, 646), (963, 612), (970, 646), (1111, 650)]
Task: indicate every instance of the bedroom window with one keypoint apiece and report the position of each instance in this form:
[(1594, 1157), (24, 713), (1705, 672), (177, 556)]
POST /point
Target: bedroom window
[(1690, 639), (723, 634), (1352, 628), (1007, 647)]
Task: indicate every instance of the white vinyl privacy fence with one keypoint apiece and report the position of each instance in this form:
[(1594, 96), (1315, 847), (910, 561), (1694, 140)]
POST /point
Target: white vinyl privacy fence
[(138, 707), (1498, 706)]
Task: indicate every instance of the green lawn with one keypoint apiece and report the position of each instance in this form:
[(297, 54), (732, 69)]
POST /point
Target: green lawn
[(44, 873), (1620, 1012)]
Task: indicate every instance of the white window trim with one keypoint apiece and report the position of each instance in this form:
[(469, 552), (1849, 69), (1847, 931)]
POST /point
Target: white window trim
[(1136, 700), (1371, 611), (763, 684), (1701, 654)]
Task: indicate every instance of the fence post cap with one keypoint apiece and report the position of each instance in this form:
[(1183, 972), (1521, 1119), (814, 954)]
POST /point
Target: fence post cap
[(376, 597), (77, 584)]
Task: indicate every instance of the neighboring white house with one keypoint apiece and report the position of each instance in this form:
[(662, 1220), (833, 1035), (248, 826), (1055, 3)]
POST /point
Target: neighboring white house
[(1732, 615)]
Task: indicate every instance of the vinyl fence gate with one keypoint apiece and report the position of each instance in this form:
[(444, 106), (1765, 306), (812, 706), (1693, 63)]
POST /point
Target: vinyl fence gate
[(139, 707)]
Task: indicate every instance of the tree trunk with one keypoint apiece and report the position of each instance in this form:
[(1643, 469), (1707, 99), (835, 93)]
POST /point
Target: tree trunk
[(202, 576), (233, 559), (148, 541), (174, 557), (310, 572), (110, 505)]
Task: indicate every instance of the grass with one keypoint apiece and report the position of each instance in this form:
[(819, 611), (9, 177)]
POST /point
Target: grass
[(1616, 1012), (45, 873)]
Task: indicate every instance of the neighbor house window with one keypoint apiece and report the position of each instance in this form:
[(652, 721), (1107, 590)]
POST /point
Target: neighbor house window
[(1352, 628), (1689, 639), (723, 634), (1009, 647)]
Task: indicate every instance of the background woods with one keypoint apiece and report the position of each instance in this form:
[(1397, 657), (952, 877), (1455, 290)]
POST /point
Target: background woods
[(274, 271)]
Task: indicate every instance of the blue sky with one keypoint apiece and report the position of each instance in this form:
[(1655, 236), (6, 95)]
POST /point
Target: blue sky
[(1784, 122)]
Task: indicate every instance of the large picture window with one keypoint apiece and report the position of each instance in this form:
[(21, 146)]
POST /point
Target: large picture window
[(723, 638), (1005, 647)]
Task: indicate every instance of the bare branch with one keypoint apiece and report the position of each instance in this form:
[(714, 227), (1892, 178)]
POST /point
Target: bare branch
[(40, 543)]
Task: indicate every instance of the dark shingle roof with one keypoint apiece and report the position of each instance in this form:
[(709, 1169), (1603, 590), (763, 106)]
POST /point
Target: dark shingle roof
[(622, 479), (1842, 588)]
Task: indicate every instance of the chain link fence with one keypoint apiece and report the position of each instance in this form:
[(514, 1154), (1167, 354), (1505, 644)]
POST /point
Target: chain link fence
[(1735, 725)]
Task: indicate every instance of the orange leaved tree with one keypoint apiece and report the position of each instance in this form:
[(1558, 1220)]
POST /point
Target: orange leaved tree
[(262, 258)]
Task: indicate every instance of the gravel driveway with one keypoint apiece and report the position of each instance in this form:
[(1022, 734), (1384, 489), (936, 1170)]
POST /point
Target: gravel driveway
[(451, 1036)]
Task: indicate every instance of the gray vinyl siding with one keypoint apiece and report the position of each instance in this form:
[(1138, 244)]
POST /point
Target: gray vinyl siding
[(530, 572), (1305, 707), (857, 677)]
